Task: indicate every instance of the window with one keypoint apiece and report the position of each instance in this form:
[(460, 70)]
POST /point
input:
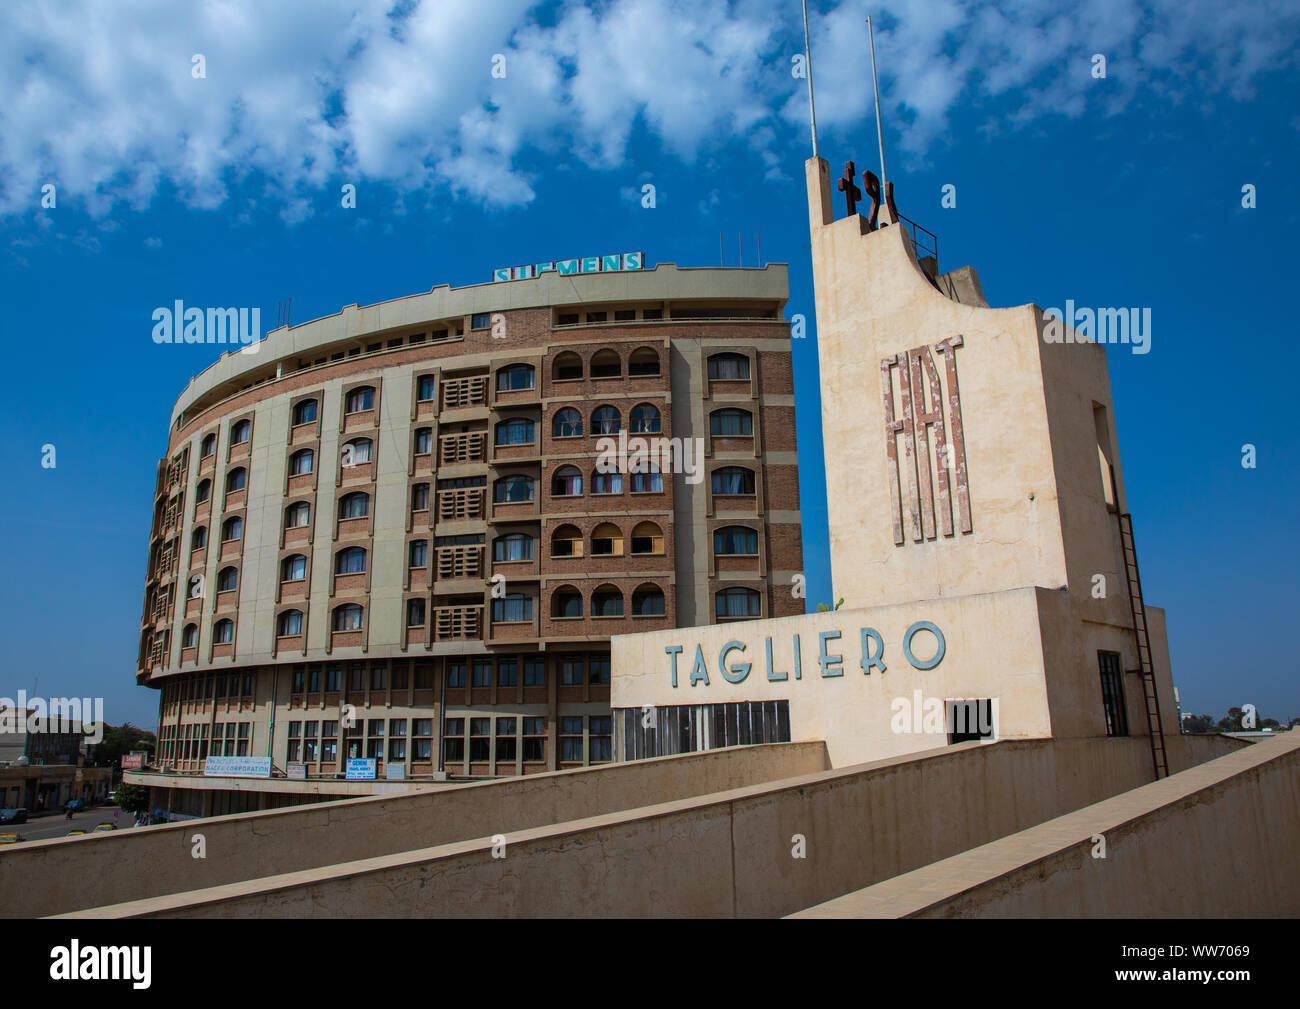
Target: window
[(333, 682), (354, 506), (596, 316), (607, 483), (301, 462), (293, 568), (735, 540), (606, 420), (534, 673), (232, 529), (199, 539), (423, 440), (737, 602), (566, 542), (571, 739), (207, 446), (567, 482), (203, 491), (567, 365), (424, 388), (647, 538), (508, 669), (290, 623), (506, 742), (607, 601), (645, 419), (567, 424), (733, 480), (607, 541), (241, 432), (456, 674), (648, 601), (600, 740), (1112, 693), (227, 579), (648, 483), (297, 515), (534, 739), (419, 553), (652, 313), (566, 603), (605, 363), (223, 632), (347, 617), (644, 361), (415, 613), (481, 673), (516, 376), (304, 412), (190, 636), (453, 740), (512, 489), (356, 452), (480, 320), (515, 431), (728, 367), (236, 479), (625, 315), (731, 422), (515, 547), (420, 497), (515, 607), (350, 561), (567, 319), (359, 399), (571, 673), (480, 732)]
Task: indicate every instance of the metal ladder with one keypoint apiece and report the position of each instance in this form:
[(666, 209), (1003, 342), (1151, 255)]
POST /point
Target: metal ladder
[(1137, 606)]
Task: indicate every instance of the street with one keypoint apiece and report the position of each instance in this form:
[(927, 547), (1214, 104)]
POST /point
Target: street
[(57, 824)]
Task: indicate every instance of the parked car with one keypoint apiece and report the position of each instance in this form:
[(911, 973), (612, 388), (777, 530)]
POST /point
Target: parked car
[(13, 816), (11, 838), (103, 827)]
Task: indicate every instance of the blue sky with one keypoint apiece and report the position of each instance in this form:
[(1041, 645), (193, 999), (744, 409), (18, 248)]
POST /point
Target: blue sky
[(225, 190)]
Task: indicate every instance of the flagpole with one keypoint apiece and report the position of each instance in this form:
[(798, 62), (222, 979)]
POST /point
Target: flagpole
[(880, 136), (807, 52)]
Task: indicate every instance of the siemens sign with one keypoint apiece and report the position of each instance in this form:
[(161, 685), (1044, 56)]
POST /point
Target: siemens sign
[(564, 267), (828, 663)]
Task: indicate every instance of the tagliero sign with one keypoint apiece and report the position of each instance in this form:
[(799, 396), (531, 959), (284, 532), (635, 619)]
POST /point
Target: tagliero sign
[(872, 656), (564, 267)]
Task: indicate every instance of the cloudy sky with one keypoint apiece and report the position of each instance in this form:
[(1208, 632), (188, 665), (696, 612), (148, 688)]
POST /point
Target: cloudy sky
[(197, 151)]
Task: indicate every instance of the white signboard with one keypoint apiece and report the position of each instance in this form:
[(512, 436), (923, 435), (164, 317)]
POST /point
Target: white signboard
[(237, 767), (395, 772), (360, 769), (297, 772)]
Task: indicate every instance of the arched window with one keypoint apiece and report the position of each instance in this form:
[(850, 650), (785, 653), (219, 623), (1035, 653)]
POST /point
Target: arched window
[(606, 364), (515, 431), (355, 505), (566, 366), (607, 601), (737, 602), (190, 636), (731, 422), (733, 480), (227, 579), (297, 515), (607, 540), (289, 624), (419, 553), (423, 440), (515, 547), (356, 452), (566, 601), (645, 419), (728, 367), (223, 632), (566, 541), (606, 483), (359, 399), (301, 462), (347, 617), (207, 446), (241, 432), (350, 561), (606, 420), (735, 540), (232, 529), (647, 538), (513, 608), (203, 491), (236, 479), (199, 538), (293, 568), (513, 488), (516, 376), (567, 424), (644, 361), (648, 601), (648, 483), (304, 412), (567, 482), (424, 388)]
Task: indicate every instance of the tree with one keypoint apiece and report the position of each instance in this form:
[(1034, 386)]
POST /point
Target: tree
[(120, 740), (132, 798), (1198, 723)]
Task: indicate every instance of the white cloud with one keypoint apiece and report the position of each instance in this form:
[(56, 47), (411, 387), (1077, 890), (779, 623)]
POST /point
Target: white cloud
[(100, 98)]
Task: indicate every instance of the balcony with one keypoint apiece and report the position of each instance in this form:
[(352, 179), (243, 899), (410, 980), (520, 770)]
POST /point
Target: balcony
[(466, 447), (458, 623), (460, 562), (463, 392), (461, 503)]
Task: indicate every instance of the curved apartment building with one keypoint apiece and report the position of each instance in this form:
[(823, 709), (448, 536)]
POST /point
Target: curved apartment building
[(408, 531)]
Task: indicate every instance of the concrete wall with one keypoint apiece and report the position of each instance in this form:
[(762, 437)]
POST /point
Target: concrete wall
[(1217, 840), (80, 872), (727, 854)]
